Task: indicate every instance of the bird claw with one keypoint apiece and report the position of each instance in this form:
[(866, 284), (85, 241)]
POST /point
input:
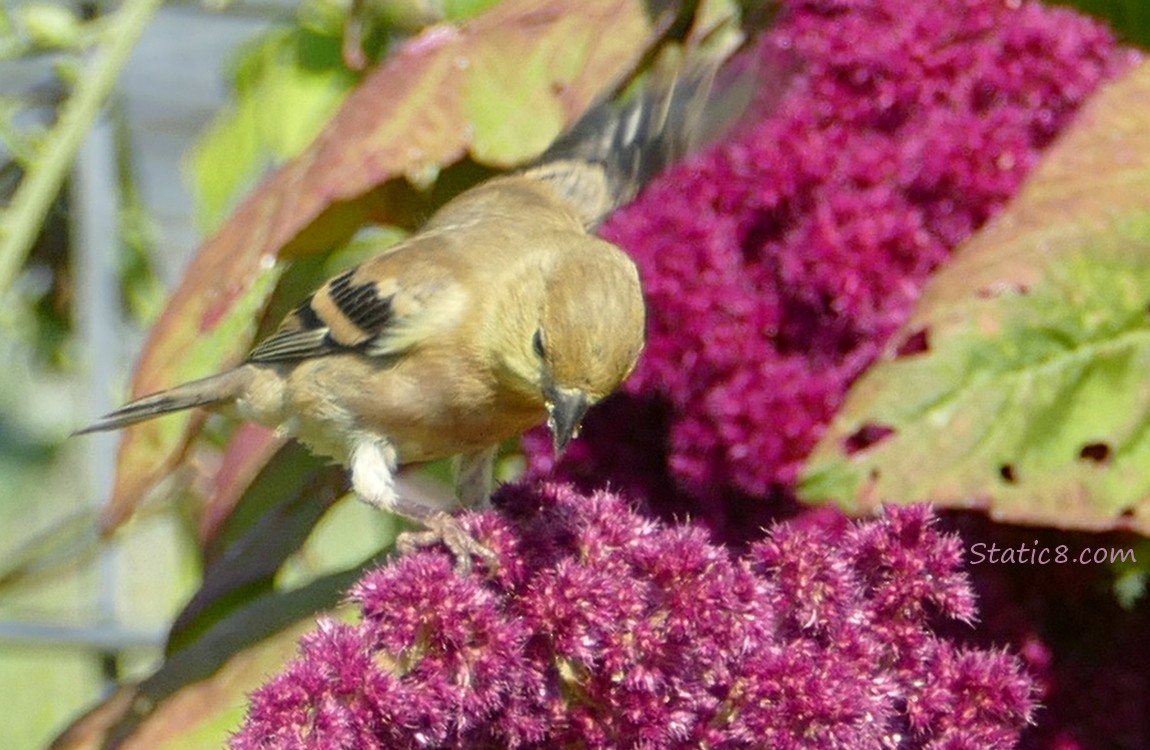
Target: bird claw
[(444, 528)]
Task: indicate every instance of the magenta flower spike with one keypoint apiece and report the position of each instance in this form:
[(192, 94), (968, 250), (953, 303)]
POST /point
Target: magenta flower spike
[(600, 628)]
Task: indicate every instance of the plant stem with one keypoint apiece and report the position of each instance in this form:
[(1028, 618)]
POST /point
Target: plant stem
[(20, 224)]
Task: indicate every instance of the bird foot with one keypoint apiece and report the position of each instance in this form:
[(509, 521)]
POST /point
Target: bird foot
[(444, 528)]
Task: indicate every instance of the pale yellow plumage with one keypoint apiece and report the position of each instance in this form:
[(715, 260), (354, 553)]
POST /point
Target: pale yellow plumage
[(501, 313)]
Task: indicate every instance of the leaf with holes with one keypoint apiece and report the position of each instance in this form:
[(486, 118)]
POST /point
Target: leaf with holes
[(1021, 384)]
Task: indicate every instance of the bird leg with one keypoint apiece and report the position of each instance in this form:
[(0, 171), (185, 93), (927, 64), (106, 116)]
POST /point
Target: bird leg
[(373, 465), (444, 528), (474, 478)]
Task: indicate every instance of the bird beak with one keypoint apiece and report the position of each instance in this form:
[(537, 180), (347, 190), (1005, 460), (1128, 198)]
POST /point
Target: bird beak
[(566, 408)]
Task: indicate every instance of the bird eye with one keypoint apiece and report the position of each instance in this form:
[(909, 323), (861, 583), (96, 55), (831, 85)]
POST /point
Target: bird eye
[(537, 344)]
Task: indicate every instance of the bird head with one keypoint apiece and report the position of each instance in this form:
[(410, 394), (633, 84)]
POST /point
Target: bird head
[(589, 333)]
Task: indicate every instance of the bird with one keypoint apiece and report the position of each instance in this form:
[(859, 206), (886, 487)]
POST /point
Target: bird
[(504, 311)]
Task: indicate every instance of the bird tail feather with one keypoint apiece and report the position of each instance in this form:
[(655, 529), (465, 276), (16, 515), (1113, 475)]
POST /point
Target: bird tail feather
[(209, 391), (604, 160), (616, 148)]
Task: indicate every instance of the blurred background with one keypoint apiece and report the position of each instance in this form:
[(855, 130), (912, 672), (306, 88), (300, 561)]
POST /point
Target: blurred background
[(76, 615)]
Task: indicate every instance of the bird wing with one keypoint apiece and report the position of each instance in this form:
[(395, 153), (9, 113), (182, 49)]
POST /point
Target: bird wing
[(368, 309)]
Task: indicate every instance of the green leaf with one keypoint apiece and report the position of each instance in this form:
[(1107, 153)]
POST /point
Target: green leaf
[(50, 26), (1021, 386), (517, 98), (280, 508), (1130, 19), (414, 14), (287, 85), (461, 10)]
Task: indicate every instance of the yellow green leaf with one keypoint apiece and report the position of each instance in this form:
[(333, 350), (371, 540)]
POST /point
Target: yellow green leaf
[(1021, 384)]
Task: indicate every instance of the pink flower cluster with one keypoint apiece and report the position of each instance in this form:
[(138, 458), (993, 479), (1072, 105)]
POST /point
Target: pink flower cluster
[(599, 628), (778, 263)]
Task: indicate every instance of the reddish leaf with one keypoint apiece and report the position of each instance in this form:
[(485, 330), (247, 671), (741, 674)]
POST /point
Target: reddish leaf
[(90, 731), (248, 451)]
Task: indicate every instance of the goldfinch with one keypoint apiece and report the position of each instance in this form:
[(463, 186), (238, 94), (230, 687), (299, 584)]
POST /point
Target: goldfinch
[(501, 313)]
